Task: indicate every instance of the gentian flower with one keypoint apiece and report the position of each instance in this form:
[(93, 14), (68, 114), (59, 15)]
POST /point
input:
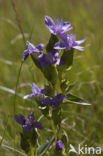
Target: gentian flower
[(55, 101), (35, 91), (59, 145), (32, 49), (28, 123), (48, 59), (69, 42), (58, 27)]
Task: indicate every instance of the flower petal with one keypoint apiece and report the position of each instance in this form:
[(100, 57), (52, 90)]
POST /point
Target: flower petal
[(66, 25), (35, 89), (39, 47), (45, 60), (46, 101), (49, 21), (79, 48), (59, 45), (68, 29), (81, 41), (55, 53), (25, 54), (31, 116), (28, 96), (50, 24), (27, 127), (20, 119), (59, 98), (42, 91), (59, 145), (60, 62), (31, 47), (37, 125), (63, 37)]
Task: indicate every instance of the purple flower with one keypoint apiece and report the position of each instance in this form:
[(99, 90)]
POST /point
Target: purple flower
[(59, 145), (28, 123), (69, 42), (55, 101), (35, 91), (32, 49), (58, 27), (48, 59)]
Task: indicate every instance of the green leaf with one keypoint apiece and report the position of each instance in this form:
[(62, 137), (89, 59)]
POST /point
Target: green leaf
[(72, 99), (44, 148), (50, 46), (35, 60), (57, 116), (67, 58), (66, 86), (51, 74), (27, 139)]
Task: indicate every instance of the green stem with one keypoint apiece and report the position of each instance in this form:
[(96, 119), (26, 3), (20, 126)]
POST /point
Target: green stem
[(53, 128), (32, 151), (35, 150)]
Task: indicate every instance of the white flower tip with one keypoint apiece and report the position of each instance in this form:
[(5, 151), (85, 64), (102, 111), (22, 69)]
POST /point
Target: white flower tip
[(25, 97), (27, 43)]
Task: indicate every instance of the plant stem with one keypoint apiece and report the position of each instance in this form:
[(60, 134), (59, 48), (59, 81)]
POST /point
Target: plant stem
[(18, 21), (35, 150), (53, 128), (32, 151)]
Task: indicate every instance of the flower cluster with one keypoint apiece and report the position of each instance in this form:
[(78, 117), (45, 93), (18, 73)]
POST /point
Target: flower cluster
[(58, 29), (58, 54), (28, 123), (59, 145)]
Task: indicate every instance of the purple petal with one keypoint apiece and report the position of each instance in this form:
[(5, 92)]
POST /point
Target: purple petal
[(63, 37), (42, 91), (79, 48), (28, 96), (50, 24), (43, 59), (20, 119), (71, 38), (58, 99), (27, 127), (68, 29), (55, 101), (81, 41), (66, 25), (59, 45), (37, 125), (55, 53), (60, 62), (46, 101), (35, 90), (46, 59), (59, 145), (49, 21), (25, 55), (39, 47), (31, 47), (31, 116)]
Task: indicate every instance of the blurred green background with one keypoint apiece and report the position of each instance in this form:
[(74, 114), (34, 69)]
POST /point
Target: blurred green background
[(84, 124)]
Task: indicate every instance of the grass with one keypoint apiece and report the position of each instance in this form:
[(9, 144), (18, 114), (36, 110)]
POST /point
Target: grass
[(84, 124)]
